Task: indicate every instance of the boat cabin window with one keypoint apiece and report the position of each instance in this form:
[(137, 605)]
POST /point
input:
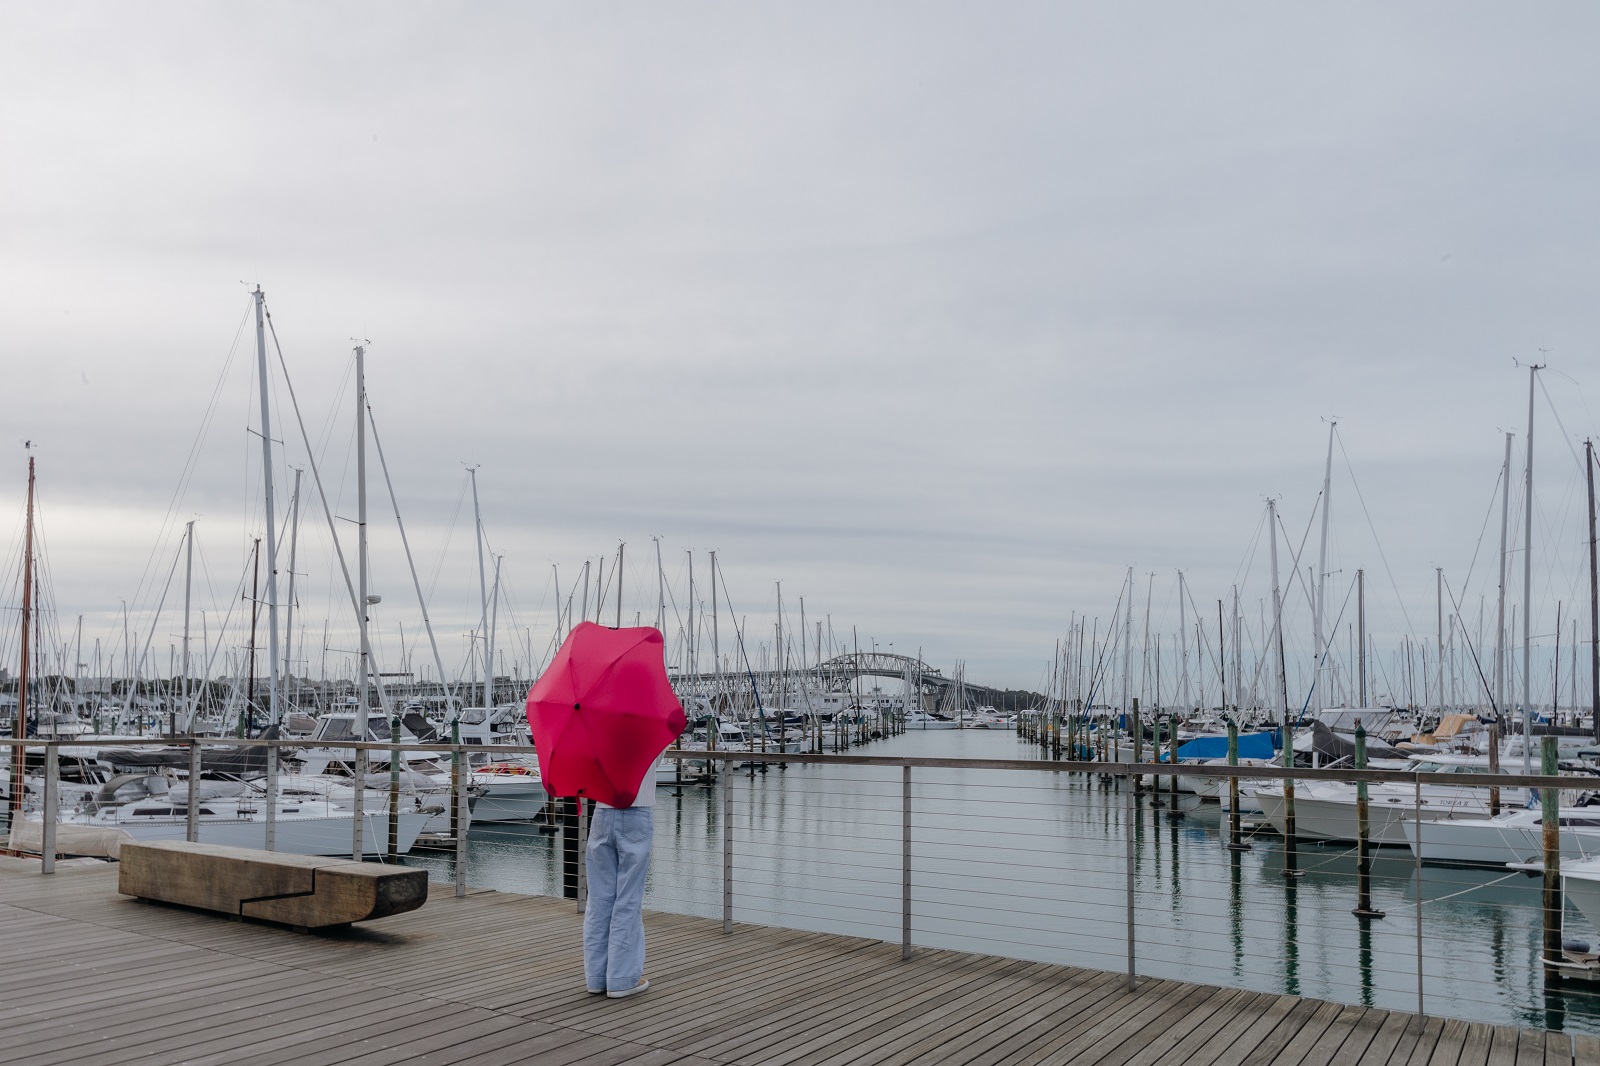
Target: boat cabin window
[(336, 729)]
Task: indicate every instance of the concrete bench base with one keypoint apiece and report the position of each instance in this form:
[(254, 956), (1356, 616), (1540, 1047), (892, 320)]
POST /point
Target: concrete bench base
[(305, 891)]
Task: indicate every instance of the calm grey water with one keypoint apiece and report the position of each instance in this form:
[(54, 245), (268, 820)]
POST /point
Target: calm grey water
[(1034, 866)]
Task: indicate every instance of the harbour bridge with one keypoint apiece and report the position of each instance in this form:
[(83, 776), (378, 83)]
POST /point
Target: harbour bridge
[(840, 675)]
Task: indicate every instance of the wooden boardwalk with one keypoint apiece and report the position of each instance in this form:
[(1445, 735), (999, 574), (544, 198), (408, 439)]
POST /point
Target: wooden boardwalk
[(90, 977)]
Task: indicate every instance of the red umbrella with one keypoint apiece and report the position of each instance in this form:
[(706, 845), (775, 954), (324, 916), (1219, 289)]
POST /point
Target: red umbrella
[(603, 713)]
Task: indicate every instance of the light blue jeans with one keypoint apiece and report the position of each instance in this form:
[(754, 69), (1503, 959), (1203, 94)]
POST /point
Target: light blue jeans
[(613, 921)]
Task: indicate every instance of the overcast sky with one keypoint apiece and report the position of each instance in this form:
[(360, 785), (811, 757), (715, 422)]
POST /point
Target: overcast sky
[(941, 314)]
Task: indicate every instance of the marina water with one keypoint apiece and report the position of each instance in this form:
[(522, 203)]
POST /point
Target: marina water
[(1033, 865)]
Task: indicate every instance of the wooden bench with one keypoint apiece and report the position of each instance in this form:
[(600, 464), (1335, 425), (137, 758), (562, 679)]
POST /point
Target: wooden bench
[(305, 891)]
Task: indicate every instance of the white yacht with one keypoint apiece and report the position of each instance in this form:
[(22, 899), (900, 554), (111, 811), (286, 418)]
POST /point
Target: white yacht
[(1326, 810), (149, 809), (1513, 837)]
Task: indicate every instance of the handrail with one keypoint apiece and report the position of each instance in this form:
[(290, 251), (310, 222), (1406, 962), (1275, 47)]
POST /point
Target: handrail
[(1273, 772)]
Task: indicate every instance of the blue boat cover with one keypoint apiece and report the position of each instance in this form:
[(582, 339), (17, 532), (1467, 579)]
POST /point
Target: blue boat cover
[(1251, 746)]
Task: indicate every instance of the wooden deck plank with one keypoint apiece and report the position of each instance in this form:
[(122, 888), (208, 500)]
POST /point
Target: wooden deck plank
[(1530, 1048), (1385, 1038), (131, 1020), (195, 1026), (1451, 1041), (1087, 995), (988, 1012), (1251, 1022), (1498, 1046), (1585, 1048), (494, 979), (1112, 1033), (1557, 1049), (1416, 1042), (1181, 1041), (1299, 1029), (963, 1006), (1356, 1044), (290, 1045), (853, 1019)]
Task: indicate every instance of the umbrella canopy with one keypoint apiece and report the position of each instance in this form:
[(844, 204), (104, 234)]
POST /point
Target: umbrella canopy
[(603, 713)]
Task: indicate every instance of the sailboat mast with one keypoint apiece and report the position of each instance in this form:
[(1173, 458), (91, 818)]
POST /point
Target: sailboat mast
[(1527, 590), (661, 589), (1594, 600), (1277, 633), (1361, 637), (362, 598), (1183, 636), (1500, 615), (288, 603), (494, 623), (1127, 651), (716, 647), (620, 547), (1321, 652), (1438, 665), (483, 584), (19, 727), (188, 582), (273, 708), (1238, 655)]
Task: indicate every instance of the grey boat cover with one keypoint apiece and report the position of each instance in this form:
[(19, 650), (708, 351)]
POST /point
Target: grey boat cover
[(1332, 747), (234, 759)]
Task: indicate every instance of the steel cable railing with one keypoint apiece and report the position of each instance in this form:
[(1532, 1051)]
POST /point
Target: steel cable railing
[(1057, 862)]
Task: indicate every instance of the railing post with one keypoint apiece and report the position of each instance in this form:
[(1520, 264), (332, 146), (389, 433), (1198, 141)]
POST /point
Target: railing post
[(458, 809), (52, 778), (359, 765), (1130, 812), (727, 844), (272, 797), (582, 824), (192, 824), (392, 845), (905, 861)]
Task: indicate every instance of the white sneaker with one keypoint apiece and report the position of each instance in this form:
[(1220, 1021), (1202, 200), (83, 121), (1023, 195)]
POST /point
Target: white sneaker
[(643, 984)]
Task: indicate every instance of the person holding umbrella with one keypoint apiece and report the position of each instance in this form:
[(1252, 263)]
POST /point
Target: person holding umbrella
[(601, 716)]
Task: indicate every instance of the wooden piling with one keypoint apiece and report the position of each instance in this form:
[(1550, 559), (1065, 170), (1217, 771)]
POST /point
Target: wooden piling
[(1138, 746), (1172, 757), (1550, 807), (1494, 766), (1234, 841), (1364, 908)]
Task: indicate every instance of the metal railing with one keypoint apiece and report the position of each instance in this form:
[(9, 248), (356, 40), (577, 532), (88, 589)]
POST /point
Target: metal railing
[(1089, 863)]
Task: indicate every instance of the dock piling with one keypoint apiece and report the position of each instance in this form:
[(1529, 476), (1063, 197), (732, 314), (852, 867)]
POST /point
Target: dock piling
[(1172, 757), (1550, 820), (1364, 908), (1234, 841)]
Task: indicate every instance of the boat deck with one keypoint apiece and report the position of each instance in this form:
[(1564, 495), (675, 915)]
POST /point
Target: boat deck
[(92, 978)]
